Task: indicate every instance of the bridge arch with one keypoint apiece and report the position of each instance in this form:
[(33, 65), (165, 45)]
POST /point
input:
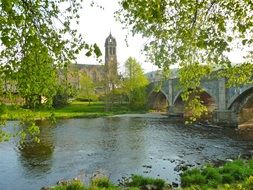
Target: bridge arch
[(208, 100), (213, 96), (158, 101), (242, 106), (236, 96)]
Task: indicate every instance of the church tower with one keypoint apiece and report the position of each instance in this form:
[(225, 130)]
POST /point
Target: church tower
[(111, 56)]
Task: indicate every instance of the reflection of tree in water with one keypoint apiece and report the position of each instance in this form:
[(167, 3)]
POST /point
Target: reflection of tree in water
[(36, 157)]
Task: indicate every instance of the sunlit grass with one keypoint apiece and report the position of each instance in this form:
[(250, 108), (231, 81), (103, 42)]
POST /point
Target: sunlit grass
[(75, 109)]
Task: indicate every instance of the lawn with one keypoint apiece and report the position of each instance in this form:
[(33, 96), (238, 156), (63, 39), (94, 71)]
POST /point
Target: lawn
[(75, 109)]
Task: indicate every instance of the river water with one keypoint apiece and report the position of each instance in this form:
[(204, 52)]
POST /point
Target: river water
[(116, 147)]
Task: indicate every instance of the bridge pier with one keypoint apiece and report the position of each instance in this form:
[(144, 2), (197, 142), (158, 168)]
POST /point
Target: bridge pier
[(226, 118)]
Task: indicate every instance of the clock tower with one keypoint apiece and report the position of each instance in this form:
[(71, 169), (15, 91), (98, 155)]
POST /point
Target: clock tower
[(111, 64)]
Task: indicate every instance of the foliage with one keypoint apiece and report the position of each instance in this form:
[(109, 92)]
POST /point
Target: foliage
[(63, 93), (49, 22), (30, 131), (193, 35), (87, 87), (4, 136), (73, 185), (238, 75), (35, 35), (37, 38), (140, 181), (135, 83), (36, 77), (233, 173), (103, 182), (137, 183)]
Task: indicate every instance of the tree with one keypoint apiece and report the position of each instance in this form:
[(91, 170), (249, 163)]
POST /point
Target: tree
[(36, 37), (87, 87), (36, 77), (135, 83), (42, 26), (193, 35)]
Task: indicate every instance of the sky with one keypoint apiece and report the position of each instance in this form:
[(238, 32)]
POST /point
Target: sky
[(96, 24)]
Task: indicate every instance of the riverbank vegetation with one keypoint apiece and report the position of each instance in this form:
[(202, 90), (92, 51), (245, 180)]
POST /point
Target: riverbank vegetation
[(135, 182), (237, 174), (232, 175)]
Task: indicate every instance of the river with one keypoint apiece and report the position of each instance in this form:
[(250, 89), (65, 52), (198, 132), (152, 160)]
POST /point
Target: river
[(117, 147)]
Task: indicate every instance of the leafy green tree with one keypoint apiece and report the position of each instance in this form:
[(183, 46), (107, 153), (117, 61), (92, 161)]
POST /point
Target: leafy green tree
[(44, 27), (36, 77), (194, 35), (135, 83), (86, 87)]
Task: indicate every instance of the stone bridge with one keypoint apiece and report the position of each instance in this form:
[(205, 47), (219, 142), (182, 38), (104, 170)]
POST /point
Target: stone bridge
[(225, 105)]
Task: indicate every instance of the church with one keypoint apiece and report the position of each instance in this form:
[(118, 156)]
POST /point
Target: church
[(97, 73)]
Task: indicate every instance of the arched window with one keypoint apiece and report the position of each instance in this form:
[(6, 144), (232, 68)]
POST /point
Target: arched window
[(114, 51), (111, 50)]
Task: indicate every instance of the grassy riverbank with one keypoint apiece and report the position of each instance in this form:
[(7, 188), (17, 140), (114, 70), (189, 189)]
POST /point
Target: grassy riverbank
[(103, 183), (75, 109), (232, 175)]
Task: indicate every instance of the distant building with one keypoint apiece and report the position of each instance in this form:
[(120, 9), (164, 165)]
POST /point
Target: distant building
[(97, 73)]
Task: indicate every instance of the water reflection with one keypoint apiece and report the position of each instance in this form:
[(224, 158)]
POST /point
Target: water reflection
[(36, 158)]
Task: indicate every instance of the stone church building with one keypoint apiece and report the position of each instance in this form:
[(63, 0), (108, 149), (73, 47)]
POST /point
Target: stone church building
[(97, 73)]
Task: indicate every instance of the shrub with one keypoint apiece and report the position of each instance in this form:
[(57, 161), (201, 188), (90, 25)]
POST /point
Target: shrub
[(236, 169), (102, 182), (140, 181), (227, 178), (211, 173), (62, 96), (212, 183), (234, 175), (72, 185), (75, 185), (249, 183), (192, 177)]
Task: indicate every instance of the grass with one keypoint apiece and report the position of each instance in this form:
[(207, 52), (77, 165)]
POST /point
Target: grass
[(137, 183), (232, 175), (140, 182), (75, 109), (228, 176)]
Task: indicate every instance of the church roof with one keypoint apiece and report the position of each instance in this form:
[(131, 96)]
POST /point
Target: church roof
[(110, 40), (81, 66)]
